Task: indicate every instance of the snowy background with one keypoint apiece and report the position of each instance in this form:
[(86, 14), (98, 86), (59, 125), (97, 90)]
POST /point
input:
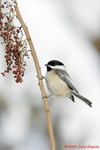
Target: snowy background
[(63, 30)]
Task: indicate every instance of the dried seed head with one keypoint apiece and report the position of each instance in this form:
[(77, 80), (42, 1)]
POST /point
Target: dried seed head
[(15, 44)]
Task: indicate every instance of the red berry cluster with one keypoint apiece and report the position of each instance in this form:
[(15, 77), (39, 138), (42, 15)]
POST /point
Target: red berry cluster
[(15, 44)]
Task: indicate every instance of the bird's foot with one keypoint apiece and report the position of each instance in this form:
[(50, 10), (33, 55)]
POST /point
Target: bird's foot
[(47, 96), (41, 78), (72, 98)]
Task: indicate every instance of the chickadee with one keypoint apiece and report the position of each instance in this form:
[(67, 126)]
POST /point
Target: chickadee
[(59, 82)]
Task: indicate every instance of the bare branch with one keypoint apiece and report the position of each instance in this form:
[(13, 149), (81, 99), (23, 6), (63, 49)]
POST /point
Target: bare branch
[(38, 69)]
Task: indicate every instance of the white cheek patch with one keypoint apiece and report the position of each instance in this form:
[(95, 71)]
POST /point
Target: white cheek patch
[(58, 67)]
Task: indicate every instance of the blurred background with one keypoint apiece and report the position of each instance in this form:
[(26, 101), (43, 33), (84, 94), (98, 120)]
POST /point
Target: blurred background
[(65, 30)]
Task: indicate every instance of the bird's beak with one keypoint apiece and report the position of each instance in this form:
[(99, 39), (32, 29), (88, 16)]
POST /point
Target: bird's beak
[(46, 65)]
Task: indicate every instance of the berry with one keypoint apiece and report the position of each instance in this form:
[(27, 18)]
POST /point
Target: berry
[(14, 40)]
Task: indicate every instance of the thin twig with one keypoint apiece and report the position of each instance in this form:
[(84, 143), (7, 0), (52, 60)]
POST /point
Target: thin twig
[(38, 69)]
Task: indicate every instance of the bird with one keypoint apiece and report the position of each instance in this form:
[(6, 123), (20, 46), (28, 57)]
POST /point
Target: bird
[(59, 82)]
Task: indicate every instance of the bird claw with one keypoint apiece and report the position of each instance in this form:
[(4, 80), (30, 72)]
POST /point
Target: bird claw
[(41, 78), (47, 96)]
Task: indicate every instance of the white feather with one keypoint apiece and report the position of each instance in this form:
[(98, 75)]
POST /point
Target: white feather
[(61, 67)]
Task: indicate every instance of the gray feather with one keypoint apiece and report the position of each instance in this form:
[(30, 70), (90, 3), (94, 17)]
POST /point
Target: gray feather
[(82, 98), (66, 78)]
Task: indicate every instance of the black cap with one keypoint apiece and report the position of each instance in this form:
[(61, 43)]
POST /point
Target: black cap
[(54, 63)]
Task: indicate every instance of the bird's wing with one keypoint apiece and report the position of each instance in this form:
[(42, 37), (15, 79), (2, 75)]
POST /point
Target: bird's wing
[(66, 78)]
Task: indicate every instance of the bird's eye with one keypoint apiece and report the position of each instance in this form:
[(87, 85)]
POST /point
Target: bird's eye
[(49, 68)]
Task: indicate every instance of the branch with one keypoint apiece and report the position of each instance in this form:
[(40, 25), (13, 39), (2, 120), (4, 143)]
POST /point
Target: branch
[(38, 69)]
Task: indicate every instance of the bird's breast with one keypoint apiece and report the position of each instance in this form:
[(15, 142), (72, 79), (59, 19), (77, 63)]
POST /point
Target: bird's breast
[(56, 85)]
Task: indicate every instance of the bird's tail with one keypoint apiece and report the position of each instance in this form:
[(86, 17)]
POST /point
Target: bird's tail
[(85, 100)]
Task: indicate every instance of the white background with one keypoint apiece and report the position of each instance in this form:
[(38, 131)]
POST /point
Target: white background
[(62, 30)]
